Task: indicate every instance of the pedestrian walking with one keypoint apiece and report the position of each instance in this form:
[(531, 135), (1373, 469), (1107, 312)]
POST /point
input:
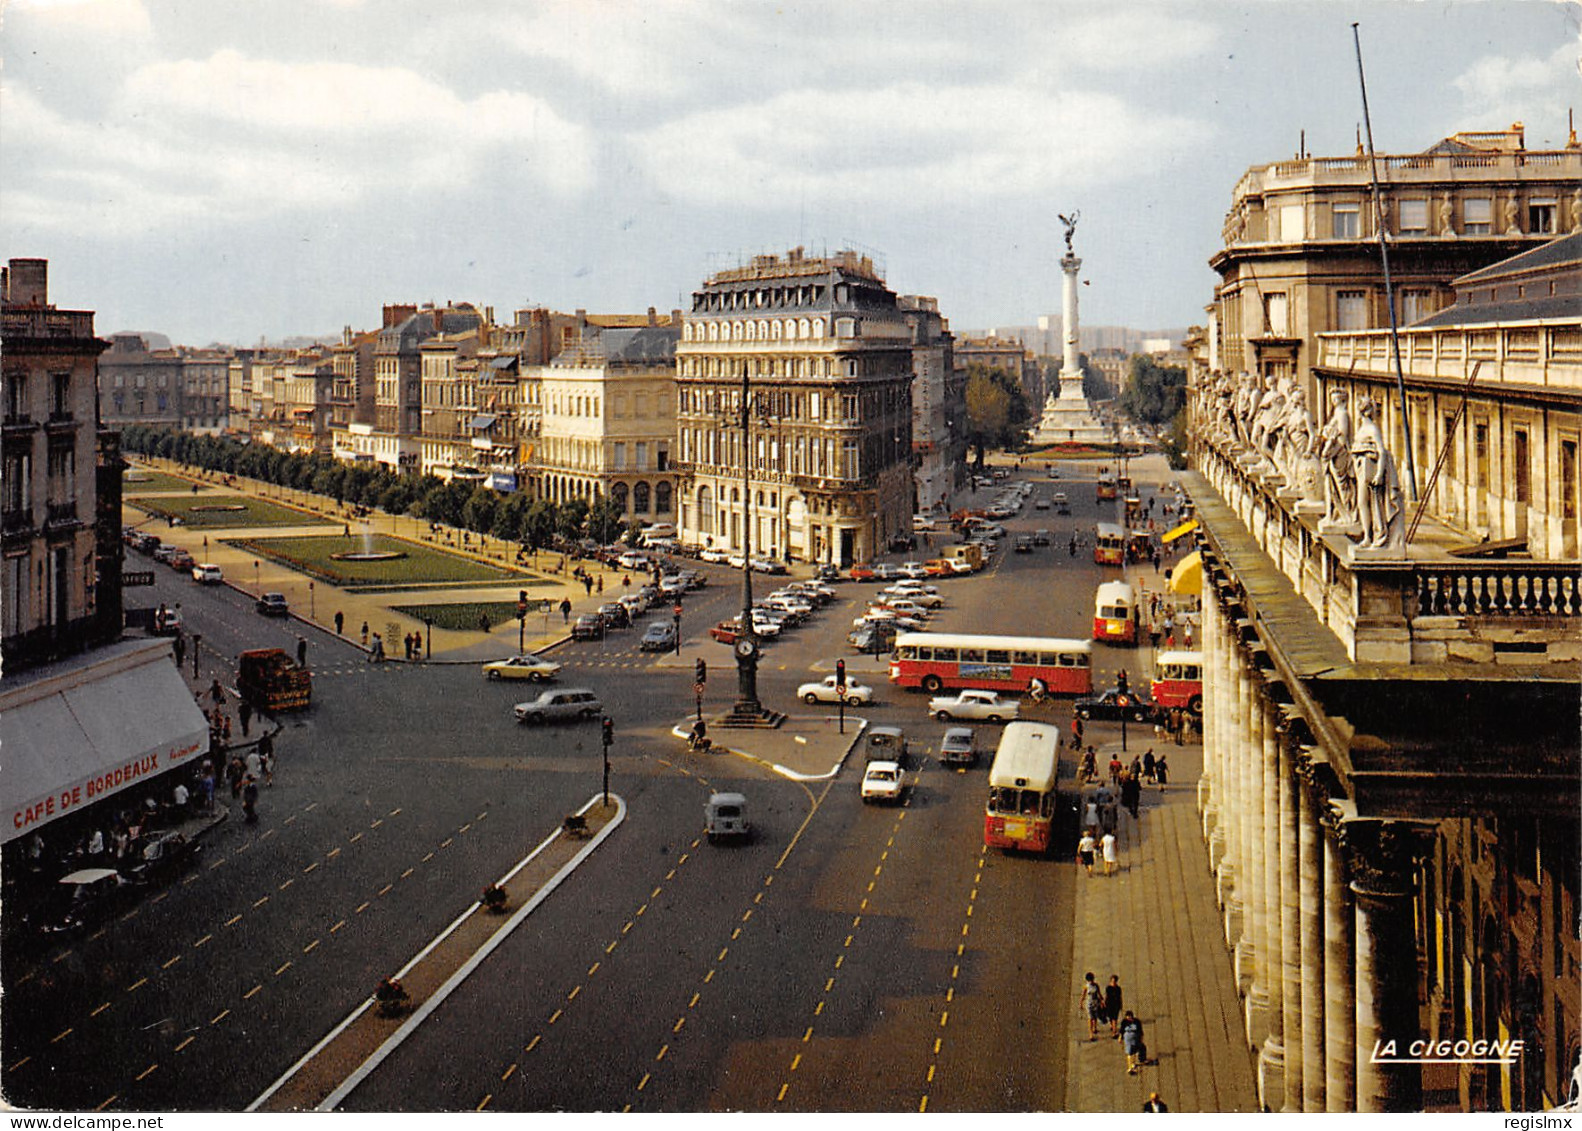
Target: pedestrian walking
[(1092, 1004), (565, 609), (254, 762), (234, 772), (1161, 773), (1153, 637), (1112, 1005), (216, 692), (180, 646), (406, 643), (266, 762), (1148, 765), (601, 583), (1186, 634), (340, 621), (1115, 769), (1107, 848), (1132, 1043), (302, 651), (1085, 850), (1154, 1103), (364, 640), (250, 799), (377, 653), (1131, 793)]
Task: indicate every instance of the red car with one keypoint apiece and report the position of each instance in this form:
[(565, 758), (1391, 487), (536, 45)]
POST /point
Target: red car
[(862, 571), (727, 631)]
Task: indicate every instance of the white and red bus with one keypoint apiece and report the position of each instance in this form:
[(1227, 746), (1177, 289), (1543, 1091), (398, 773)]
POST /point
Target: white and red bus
[(1021, 809), (1178, 681), (1115, 613), (1109, 544), (937, 660), (1106, 488)]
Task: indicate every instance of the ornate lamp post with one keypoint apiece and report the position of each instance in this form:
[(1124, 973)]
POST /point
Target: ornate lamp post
[(747, 707)]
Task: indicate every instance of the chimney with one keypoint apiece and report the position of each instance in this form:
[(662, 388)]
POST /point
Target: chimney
[(27, 282), (346, 335), (675, 317), (653, 319)]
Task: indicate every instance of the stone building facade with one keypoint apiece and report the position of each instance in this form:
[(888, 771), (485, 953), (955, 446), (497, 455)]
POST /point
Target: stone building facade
[(822, 351), (1301, 258), (1391, 752), (939, 406)]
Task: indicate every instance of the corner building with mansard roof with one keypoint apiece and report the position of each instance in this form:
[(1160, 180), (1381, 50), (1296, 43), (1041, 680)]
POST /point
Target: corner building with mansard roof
[(823, 354)]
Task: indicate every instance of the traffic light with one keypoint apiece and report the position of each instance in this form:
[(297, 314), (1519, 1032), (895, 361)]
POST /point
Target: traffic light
[(609, 733), (840, 673), (702, 673), (1122, 682)]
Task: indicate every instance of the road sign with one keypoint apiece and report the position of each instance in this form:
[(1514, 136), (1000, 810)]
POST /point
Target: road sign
[(697, 689)]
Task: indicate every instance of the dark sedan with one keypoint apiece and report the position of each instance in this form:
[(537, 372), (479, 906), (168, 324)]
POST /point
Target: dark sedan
[(616, 615), (1115, 705), (589, 626)]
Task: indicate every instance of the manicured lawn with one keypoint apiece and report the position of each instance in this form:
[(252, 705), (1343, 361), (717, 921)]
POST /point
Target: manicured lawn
[(465, 616), (224, 511), (421, 564), (145, 481)]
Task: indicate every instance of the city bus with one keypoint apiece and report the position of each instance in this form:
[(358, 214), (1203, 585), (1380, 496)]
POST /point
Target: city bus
[(1178, 681), (1106, 486), (1021, 809), (1115, 613), (1109, 544), (938, 660)]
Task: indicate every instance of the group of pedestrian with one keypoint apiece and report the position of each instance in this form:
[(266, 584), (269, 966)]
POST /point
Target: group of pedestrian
[(376, 650), (1104, 1006), (413, 642)]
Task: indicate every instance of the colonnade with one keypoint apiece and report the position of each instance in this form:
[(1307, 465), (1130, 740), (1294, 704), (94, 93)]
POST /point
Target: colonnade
[(1317, 899)]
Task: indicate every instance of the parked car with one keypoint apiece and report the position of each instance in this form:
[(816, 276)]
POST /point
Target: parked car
[(1041, 538), (273, 605), (872, 638), (885, 744), (207, 574), (83, 898), (727, 631), (912, 569), (1041, 504), (181, 561), (1023, 544), (826, 573), (881, 781), (768, 565), (862, 571), (633, 560), (615, 615), (634, 605), (527, 666), (588, 626), (559, 706), (714, 554), (673, 586), (659, 636), (1115, 705), (162, 857), (167, 622), (970, 703), (957, 747), (825, 691), (163, 553), (765, 623)]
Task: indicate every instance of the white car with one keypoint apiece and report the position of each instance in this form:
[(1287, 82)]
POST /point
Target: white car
[(913, 570), (765, 626), (889, 616), (825, 691), (906, 607), (715, 554), (972, 704), (881, 781), (207, 574), (926, 598), (528, 667), (633, 560)]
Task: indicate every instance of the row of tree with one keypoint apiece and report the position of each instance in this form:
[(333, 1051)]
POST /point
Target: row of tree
[(512, 517), (1155, 397)]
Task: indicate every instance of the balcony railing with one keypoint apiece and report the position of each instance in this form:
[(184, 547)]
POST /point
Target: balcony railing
[(1425, 606), (1548, 356)]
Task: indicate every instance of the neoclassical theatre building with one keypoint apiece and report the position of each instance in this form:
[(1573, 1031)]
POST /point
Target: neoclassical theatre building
[(824, 354), (1391, 770)]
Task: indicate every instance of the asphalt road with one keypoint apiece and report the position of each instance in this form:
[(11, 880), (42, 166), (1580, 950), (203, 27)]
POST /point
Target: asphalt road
[(848, 958)]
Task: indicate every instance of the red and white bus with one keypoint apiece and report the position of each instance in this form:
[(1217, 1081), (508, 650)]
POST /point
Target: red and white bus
[(1106, 489), (1109, 544), (1021, 809), (1178, 681), (1115, 613), (937, 660)]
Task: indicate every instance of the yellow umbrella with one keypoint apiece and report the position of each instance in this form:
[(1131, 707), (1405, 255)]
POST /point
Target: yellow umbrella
[(1187, 576)]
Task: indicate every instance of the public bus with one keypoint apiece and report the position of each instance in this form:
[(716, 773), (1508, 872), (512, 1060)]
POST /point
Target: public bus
[(1106, 486), (1178, 681), (938, 660), (1109, 544), (1115, 613), (1021, 809)]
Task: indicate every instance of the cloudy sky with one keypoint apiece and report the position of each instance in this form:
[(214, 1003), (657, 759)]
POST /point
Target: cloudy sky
[(225, 170)]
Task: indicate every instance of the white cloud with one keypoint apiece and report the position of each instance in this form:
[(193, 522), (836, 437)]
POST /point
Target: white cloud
[(97, 17), (909, 145), (1500, 89), (230, 138)]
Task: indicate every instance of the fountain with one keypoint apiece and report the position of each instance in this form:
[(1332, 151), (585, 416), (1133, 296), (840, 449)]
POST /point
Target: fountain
[(368, 553)]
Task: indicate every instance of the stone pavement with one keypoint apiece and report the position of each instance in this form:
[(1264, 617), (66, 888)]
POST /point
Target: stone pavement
[(808, 746), (1156, 924)]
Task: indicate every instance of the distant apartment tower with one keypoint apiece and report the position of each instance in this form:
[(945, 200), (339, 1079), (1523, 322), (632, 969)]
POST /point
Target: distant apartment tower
[(60, 585), (1301, 244), (138, 385), (398, 376), (823, 353), (938, 405)]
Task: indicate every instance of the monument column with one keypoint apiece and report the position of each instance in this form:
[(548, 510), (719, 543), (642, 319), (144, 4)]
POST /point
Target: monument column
[(1069, 266)]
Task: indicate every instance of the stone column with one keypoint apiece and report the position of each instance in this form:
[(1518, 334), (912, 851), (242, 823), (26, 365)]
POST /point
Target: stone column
[(1340, 999), (1310, 835), (1258, 855), (1069, 266), (1207, 782), (1243, 858), (1271, 962), (1384, 862), (1290, 924)]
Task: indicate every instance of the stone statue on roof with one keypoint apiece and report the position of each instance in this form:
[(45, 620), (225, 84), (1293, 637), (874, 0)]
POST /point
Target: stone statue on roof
[(1379, 511)]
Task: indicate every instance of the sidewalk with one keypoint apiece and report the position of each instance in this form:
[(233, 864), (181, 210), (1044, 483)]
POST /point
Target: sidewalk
[(1155, 923)]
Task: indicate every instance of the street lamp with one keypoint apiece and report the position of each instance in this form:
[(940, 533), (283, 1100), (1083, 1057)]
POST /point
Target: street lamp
[(747, 706)]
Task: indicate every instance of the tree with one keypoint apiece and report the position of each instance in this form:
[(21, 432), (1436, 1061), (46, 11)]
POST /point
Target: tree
[(997, 413), (604, 520), (1154, 393), (539, 523), (570, 517)]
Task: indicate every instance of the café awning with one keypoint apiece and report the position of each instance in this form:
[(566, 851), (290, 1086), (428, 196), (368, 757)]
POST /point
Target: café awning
[(1186, 576), (81, 732)]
